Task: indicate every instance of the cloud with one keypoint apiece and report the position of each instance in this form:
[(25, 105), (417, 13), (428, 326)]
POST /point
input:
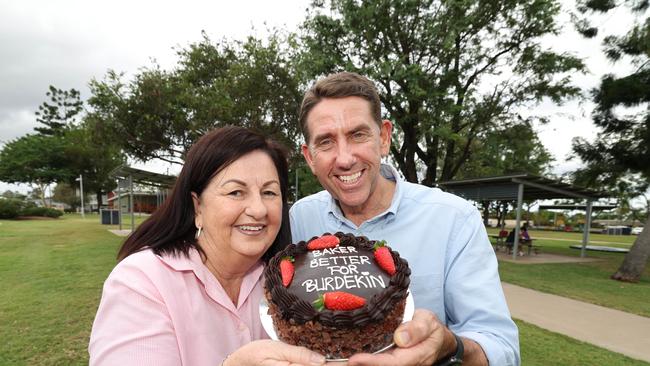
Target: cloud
[(15, 123), (67, 43)]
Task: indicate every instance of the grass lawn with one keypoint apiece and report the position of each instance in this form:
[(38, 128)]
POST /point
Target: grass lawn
[(582, 281), (623, 241), (52, 273), (540, 347)]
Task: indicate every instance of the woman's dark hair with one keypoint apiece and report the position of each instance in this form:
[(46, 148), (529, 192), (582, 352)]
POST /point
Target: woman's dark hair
[(171, 229)]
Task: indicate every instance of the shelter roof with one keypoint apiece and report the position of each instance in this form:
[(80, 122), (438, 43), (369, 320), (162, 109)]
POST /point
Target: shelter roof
[(506, 187), (577, 207), (144, 177)]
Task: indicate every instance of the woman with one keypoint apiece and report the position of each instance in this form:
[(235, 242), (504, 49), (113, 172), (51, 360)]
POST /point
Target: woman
[(187, 288)]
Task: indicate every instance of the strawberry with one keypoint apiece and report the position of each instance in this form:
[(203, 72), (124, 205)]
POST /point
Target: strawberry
[(384, 258), (324, 242), (286, 270), (339, 300)]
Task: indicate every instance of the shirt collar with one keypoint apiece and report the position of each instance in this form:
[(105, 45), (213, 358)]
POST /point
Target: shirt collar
[(389, 172), (194, 263)]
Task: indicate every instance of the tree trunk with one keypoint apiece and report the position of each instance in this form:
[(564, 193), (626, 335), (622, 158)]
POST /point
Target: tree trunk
[(99, 200), (42, 187), (637, 258), (486, 212), (498, 212), (503, 210)]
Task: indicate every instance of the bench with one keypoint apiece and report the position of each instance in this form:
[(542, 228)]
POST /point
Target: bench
[(499, 242), (523, 243), (531, 246)]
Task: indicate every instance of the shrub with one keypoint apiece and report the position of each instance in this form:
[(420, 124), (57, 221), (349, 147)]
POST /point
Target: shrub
[(10, 208), (41, 211)]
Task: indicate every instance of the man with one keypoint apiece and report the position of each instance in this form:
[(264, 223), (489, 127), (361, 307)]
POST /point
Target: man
[(454, 281)]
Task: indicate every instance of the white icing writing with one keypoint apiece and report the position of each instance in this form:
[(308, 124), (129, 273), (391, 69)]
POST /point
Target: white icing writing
[(335, 250), (339, 282), (343, 271), (338, 260)]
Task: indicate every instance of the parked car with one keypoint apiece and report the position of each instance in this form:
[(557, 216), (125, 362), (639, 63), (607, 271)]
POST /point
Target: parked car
[(636, 230)]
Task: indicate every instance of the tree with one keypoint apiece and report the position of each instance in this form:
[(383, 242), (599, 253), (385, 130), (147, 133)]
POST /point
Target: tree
[(36, 194), (622, 147), (449, 72), (92, 156), (60, 113), (161, 113), (34, 159), (507, 150), (10, 194), (62, 151), (84, 150), (67, 194)]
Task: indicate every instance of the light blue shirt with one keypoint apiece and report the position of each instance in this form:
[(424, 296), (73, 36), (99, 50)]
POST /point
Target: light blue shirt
[(454, 269)]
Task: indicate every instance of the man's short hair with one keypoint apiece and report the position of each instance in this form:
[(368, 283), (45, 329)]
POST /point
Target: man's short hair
[(339, 85)]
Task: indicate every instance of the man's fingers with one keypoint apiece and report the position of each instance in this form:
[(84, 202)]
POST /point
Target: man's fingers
[(417, 330), (299, 355), (397, 356), (366, 359)]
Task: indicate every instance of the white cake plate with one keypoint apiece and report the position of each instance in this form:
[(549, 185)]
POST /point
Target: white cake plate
[(267, 323)]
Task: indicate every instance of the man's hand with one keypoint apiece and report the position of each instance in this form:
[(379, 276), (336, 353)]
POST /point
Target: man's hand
[(420, 341), (273, 353)]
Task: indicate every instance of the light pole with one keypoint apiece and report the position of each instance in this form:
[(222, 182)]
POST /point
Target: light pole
[(81, 186)]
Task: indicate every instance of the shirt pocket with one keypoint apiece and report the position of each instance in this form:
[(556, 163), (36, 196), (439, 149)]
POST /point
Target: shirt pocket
[(428, 293)]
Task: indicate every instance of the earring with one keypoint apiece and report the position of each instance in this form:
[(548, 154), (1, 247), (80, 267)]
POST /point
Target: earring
[(198, 233)]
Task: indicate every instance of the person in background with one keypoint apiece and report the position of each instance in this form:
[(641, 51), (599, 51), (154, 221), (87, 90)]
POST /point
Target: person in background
[(510, 240), (524, 232), (462, 314), (186, 290), (503, 233)]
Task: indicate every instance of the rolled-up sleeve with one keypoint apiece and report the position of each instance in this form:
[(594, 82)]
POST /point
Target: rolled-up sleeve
[(474, 301), (132, 325)]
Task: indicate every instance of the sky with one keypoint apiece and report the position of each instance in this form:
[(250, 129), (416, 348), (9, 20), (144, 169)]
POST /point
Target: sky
[(67, 43)]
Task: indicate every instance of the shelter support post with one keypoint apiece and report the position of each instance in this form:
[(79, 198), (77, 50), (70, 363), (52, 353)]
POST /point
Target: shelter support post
[(131, 203), (585, 234), (119, 202), (520, 202)]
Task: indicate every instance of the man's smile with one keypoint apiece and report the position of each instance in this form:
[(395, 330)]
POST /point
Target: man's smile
[(351, 178)]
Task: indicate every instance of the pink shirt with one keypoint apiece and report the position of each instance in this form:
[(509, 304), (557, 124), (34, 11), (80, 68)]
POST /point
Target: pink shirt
[(172, 311)]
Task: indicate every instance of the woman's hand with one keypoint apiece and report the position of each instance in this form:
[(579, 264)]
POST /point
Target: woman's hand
[(273, 353)]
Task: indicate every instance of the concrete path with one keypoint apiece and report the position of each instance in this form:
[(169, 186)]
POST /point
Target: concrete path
[(580, 241), (122, 232), (611, 329)]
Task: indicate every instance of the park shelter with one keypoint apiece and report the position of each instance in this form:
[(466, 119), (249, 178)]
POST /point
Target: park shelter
[(523, 186), (126, 176), (572, 207), (144, 200)]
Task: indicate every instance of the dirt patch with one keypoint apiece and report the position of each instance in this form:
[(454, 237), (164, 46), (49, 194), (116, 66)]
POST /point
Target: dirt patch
[(36, 218)]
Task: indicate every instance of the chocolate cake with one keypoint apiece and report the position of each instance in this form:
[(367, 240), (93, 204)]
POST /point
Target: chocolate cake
[(340, 299)]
